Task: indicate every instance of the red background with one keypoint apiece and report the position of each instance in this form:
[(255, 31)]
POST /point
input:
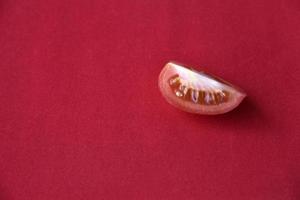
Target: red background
[(82, 117)]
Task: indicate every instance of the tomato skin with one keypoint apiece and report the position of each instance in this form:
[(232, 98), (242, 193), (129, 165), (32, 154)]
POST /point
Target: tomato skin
[(202, 80)]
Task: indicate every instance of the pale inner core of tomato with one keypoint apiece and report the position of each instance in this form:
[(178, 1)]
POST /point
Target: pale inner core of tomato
[(188, 91)]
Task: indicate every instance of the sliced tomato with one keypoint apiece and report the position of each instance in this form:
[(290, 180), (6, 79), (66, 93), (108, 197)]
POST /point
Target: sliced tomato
[(198, 92)]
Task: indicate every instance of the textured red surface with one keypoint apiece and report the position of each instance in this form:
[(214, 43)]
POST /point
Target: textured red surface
[(82, 117)]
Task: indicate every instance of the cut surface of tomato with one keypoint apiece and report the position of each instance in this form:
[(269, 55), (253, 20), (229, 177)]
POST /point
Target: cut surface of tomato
[(198, 92)]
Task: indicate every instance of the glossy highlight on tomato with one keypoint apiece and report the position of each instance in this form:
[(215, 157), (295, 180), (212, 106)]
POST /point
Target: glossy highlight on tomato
[(198, 92)]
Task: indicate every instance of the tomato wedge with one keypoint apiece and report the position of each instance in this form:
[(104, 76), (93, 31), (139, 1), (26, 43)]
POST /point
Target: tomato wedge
[(198, 92)]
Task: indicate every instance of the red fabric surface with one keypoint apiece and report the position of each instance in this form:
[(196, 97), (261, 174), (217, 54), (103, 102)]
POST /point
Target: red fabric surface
[(81, 115)]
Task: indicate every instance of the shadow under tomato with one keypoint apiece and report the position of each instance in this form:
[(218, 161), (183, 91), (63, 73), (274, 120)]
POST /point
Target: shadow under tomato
[(247, 116)]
